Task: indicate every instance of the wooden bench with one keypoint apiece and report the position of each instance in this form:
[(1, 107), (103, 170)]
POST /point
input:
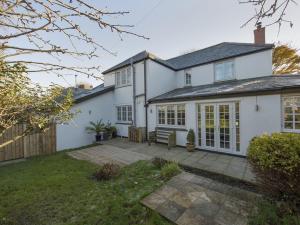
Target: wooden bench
[(160, 135)]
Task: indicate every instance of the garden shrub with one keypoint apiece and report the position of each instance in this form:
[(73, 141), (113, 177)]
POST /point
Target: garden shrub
[(268, 213), (107, 171), (276, 162), (169, 170), (158, 162)]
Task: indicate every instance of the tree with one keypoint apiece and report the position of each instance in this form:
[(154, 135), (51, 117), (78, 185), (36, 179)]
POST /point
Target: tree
[(22, 102), (270, 11), (286, 60), (31, 29), (55, 28)]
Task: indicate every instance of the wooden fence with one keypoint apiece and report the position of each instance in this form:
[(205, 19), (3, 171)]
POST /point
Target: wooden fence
[(30, 145)]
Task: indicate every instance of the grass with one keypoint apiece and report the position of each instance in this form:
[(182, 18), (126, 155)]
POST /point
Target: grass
[(59, 190)]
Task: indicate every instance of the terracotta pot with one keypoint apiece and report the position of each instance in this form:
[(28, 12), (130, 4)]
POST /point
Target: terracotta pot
[(190, 147)]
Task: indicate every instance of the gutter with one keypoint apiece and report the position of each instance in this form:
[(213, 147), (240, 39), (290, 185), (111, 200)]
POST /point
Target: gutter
[(286, 90), (145, 93), (133, 93)]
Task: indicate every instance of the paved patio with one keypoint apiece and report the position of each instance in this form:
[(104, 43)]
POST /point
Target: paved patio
[(102, 154), (189, 199), (231, 166)]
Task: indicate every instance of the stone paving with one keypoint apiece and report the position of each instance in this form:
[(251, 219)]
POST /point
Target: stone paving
[(102, 154), (188, 199), (231, 166)]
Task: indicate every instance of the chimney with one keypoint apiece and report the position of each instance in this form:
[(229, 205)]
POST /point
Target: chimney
[(259, 34)]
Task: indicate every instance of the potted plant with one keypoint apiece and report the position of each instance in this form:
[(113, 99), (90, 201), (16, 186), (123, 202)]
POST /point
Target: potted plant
[(98, 128), (190, 145), (111, 130)]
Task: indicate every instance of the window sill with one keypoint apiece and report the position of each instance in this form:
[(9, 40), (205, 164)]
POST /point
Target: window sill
[(124, 123), (177, 128), (121, 86), (291, 131)]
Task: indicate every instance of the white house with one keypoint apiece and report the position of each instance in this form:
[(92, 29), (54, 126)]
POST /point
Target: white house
[(226, 93)]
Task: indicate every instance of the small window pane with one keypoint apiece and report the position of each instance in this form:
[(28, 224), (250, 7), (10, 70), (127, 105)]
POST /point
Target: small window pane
[(124, 77), (119, 117), (170, 115), (129, 113), (181, 115), (288, 125), (128, 75), (124, 113)]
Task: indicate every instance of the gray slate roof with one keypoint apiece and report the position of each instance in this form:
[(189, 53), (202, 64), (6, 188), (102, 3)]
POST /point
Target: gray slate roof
[(214, 53), (230, 88), (83, 95)]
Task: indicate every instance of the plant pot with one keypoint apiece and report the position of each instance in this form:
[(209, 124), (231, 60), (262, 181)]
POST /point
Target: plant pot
[(105, 136), (190, 147), (98, 137)]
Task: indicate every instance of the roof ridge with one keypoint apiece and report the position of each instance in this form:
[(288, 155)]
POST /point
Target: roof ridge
[(195, 51), (222, 43)]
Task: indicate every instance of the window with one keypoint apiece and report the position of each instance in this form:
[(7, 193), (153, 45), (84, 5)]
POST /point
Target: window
[(123, 77), (118, 78), (291, 113), (173, 115), (187, 77), (124, 113), (161, 115), (119, 113), (181, 115), (224, 71)]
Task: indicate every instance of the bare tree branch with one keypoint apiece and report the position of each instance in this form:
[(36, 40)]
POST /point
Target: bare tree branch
[(36, 21)]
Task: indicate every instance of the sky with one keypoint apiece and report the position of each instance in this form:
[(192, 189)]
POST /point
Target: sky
[(174, 27)]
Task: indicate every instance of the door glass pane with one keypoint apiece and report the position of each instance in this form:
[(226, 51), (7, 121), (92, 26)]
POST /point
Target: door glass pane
[(210, 125), (199, 125), (224, 126)]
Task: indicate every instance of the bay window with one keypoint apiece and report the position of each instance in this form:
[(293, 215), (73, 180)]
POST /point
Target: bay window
[(171, 115), (291, 113)]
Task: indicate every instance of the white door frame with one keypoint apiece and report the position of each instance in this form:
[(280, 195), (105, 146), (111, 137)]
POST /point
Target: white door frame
[(232, 127)]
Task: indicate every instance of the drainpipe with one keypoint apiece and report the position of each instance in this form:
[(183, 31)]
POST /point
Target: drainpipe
[(133, 92), (145, 94)]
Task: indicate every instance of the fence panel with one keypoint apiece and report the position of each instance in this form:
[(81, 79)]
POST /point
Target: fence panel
[(30, 145)]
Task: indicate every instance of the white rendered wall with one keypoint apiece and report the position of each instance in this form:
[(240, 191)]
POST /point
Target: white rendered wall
[(73, 134), (248, 66), (252, 122), (254, 65), (160, 79)]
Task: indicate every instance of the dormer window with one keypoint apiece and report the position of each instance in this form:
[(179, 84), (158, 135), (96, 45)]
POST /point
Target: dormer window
[(224, 71), (187, 78), (123, 77)]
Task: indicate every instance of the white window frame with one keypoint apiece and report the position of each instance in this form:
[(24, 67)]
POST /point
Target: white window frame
[(222, 63), (123, 77), (165, 109), (187, 77), (124, 113), (293, 130)]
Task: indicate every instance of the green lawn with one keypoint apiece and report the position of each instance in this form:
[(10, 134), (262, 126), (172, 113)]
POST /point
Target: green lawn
[(59, 190)]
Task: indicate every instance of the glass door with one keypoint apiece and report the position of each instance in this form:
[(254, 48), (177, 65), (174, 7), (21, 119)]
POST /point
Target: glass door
[(216, 126), (225, 125), (210, 125)]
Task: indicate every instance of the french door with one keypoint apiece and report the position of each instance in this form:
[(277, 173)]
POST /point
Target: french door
[(217, 126)]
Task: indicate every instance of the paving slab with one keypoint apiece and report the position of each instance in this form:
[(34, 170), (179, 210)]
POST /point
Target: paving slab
[(189, 199), (102, 154)]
